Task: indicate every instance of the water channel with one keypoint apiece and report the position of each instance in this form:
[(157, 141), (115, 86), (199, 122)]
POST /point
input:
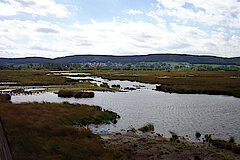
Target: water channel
[(183, 114)]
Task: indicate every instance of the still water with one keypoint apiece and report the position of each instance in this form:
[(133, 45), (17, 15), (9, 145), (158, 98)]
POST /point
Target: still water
[(182, 113)]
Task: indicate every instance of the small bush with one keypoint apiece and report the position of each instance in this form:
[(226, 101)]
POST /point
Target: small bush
[(219, 143), (198, 134), (69, 94), (231, 140), (105, 85), (208, 138), (132, 129), (174, 136), (222, 144), (65, 94), (147, 128)]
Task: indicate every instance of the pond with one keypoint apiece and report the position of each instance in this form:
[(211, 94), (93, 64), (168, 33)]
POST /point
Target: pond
[(183, 114)]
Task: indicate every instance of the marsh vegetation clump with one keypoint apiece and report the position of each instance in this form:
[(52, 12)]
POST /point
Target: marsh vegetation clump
[(208, 138), (116, 86), (231, 140), (76, 94), (105, 85), (131, 129), (65, 94), (147, 128), (229, 145), (198, 134), (174, 136), (84, 95)]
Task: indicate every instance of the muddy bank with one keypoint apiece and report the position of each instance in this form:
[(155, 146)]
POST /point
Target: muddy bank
[(133, 146)]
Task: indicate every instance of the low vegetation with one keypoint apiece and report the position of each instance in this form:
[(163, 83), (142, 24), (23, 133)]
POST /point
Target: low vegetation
[(105, 85), (147, 128), (198, 134), (48, 131), (78, 86), (32, 78), (174, 136), (203, 82), (76, 94), (230, 145)]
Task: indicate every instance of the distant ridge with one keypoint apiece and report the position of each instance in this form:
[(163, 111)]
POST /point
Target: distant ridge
[(192, 59)]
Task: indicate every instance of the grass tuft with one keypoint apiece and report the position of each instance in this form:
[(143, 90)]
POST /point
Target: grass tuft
[(147, 128)]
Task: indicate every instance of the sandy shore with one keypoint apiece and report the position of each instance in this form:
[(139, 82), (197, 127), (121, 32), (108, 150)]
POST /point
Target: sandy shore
[(129, 145)]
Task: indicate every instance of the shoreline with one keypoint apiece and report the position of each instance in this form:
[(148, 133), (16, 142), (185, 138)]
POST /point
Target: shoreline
[(129, 145)]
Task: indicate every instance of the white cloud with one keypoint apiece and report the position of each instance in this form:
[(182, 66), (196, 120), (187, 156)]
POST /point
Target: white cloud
[(111, 37), (211, 12), (134, 12), (203, 31), (35, 7)]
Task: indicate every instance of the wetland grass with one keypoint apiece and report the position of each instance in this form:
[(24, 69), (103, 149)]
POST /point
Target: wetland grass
[(76, 94), (147, 128), (31, 78), (39, 130), (202, 82)]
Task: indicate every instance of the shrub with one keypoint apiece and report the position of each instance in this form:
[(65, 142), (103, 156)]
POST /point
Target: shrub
[(159, 88), (132, 129), (174, 135), (198, 134), (231, 140), (105, 85), (68, 94), (147, 128), (222, 144), (65, 94), (208, 138)]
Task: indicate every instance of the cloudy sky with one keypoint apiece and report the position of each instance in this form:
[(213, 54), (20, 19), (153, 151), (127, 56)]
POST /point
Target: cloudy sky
[(54, 28)]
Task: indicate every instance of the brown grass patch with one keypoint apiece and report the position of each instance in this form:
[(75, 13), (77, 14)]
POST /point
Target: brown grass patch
[(37, 131), (31, 78), (184, 81)]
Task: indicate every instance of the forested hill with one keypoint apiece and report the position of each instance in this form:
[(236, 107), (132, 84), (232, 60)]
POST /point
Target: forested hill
[(192, 59)]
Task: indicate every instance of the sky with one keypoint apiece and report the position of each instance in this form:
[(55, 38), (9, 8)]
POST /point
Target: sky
[(56, 28)]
